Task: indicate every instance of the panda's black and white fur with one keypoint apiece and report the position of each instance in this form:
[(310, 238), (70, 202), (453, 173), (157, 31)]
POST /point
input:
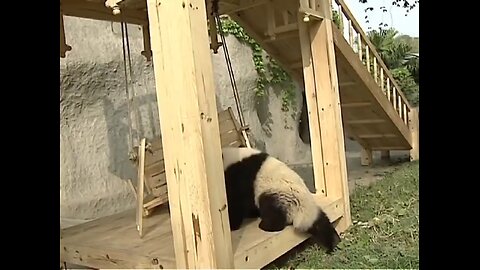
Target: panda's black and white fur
[(259, 185)]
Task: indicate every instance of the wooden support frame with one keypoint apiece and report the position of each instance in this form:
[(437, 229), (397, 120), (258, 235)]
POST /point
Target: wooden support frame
[(366, 157), (196, 187), (324, 110), (385, 154), (64, 47), (414, 129)]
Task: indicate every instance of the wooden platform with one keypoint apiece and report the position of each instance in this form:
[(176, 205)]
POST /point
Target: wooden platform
[(113, 242)]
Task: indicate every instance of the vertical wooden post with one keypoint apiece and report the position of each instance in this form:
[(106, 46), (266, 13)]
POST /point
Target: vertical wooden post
[(147, 50), (140, 185), (321, 89), (385, 155), (414, 129), (63, 44), (312, 108), (366, 157), (190, 134)]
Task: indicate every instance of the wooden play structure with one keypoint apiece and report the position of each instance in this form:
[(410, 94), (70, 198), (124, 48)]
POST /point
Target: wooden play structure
[(347, 86)]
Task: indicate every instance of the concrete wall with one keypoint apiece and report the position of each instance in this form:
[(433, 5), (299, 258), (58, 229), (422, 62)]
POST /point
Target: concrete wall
[(94, 127)]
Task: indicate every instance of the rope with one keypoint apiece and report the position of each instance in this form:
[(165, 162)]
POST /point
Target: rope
[(130, 138), (229, 64), (230, 72)]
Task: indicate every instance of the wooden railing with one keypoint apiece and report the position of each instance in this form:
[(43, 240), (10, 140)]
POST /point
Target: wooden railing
[(369, 56)]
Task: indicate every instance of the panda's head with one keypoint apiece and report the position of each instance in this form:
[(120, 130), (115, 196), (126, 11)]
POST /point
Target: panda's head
[(232, 155)]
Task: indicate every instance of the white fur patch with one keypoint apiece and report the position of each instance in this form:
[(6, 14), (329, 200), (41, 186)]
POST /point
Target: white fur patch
[(233, 155), (277, 178)]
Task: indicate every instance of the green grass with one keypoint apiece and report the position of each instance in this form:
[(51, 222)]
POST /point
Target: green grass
[(385, 230)]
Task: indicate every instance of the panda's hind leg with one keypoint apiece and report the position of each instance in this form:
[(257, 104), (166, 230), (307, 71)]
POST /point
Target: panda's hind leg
[(273, 218)]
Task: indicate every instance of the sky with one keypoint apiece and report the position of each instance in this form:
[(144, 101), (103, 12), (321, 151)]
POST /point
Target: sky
[(394, 17)]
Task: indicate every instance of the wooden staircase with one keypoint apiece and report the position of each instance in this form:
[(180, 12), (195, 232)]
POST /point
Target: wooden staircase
[(375, 112)]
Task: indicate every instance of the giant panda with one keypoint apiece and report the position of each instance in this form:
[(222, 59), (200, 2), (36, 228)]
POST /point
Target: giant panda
[(259, 185)]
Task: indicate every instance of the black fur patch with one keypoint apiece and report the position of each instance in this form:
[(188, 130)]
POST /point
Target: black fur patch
[(324, 233), (239, 178), (274, 218)]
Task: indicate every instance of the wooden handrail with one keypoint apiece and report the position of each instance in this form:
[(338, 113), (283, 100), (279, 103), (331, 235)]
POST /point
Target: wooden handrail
[(371, 50)]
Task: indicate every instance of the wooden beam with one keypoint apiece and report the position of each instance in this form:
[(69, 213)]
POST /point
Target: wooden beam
[(245, 5), (98, 11), (385, 155), (364, 121), (327, 97), (347, 83), (190, 134), (375, 136), (356, 104), (64, 47), (383, 148), (414, 129), (140, 186), (312, 109), (366, 157), (147, 49)]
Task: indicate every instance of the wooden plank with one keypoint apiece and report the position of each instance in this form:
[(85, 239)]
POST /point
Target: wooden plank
[(112, 242), (147, 50), (382, 83), (405, 113), (98, 11), (360, 49), (414, 129), (386, 148), (388, 88), (190, 134), (256, 248), (312, 108), (366, 157), (364, 121), (270, 19), (245, 6), (367, 56), (385, 155), (63, 43), (350, 33), (372, 136), (140, 187), (330, 114), (375, 70), (356, 104), (395, 98)]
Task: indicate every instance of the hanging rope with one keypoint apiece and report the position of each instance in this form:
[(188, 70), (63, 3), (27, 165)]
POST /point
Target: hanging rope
[(236, 96), (130, 97), (229, 63), (130, 137)]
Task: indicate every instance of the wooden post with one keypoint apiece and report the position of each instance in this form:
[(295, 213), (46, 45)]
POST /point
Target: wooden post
[(385, 155), (414, 129), (366, 157), (63, 44), (140, 185), (190, 134), (321, 89), (147, 50)]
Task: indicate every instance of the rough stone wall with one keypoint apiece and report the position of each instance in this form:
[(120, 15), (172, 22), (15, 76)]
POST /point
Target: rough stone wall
[(95, 139)]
